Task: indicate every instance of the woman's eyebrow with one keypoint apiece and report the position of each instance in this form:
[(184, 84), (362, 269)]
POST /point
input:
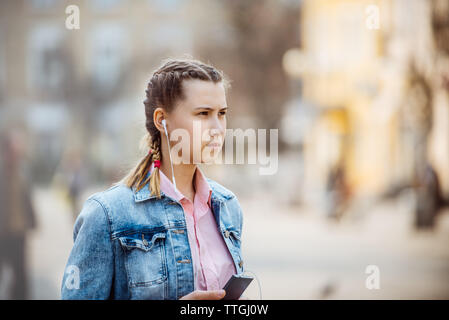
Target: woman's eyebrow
[(209, 108)]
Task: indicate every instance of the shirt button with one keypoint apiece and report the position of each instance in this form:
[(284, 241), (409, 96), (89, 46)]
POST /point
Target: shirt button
[(227, 234), (241, 263)]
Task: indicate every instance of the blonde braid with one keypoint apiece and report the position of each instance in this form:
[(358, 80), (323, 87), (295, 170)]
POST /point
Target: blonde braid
[(139, 177), (155, 179)]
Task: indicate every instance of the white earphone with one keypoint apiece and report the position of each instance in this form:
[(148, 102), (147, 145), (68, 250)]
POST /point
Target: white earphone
[(168, 143)]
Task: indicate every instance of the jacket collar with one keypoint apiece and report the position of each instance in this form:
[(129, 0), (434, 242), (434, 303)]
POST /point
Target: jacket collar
[(219, 193)]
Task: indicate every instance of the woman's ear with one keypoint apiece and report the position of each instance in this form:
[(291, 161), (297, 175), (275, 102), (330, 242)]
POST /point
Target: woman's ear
[(158, 116)]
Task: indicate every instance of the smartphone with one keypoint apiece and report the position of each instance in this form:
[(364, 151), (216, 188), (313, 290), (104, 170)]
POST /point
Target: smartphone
[(235, 286)]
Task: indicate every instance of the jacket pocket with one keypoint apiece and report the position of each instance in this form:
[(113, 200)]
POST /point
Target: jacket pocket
[(145, 259)]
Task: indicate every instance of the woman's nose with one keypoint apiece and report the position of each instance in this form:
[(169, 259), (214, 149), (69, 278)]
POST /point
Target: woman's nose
[(216, 127), (214, 132)]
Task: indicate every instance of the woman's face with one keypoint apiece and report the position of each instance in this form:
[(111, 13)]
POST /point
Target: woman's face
[(201, 115)]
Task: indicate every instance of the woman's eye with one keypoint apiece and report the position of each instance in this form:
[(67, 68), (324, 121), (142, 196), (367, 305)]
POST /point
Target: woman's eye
[(205, 113)]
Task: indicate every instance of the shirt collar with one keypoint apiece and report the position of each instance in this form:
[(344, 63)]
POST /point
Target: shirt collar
[(202, 187), (203, 191), (167, 187)]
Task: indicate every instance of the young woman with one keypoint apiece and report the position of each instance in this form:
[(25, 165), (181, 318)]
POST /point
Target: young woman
[(165, 231)]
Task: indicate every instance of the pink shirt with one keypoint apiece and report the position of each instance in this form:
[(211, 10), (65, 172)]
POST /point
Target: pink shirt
[(212, 261)]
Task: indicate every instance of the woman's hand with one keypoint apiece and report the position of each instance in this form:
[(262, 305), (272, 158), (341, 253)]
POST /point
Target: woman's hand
[(204, 295)]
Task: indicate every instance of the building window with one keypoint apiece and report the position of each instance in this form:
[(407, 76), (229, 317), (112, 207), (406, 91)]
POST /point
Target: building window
[(46, 60), (167, 6), (107, 55), (105, 5), (170, 37), (2, 69), (43, 5)]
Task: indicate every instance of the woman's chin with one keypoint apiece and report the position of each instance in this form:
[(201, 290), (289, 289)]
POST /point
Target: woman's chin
[(210, 159)]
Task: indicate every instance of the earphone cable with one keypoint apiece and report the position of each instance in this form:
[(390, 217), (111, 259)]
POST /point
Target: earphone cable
[(169, 153)]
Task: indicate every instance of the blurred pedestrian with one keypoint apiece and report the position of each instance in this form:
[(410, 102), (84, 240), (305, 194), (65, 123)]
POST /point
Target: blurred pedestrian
[(338, 193), (430, 199), (17, 216), (75, 179)]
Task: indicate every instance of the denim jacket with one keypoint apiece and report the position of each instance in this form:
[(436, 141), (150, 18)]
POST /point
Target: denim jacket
[(129, 244)]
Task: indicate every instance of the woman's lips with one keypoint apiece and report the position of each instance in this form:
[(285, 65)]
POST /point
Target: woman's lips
[(214, 145)]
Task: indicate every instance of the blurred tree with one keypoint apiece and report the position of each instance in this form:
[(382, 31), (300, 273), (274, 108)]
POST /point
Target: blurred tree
[(422, 88), (440, 25), (264, 31)]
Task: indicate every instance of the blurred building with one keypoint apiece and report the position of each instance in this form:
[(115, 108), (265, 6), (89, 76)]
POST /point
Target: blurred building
[(80, 91), (373, 71)]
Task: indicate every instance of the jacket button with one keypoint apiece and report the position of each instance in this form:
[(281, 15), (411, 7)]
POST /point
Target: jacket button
[(227, 234), (241, 263)]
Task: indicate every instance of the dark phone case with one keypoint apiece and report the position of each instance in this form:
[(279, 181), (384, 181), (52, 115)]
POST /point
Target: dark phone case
[(235, 286)]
